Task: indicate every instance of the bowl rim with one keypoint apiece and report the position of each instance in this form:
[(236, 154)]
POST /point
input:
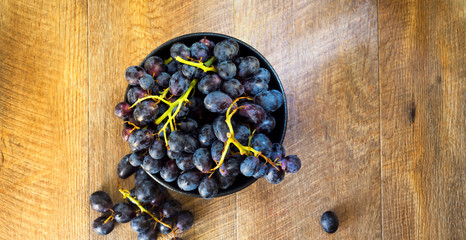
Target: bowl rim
[(180, 38)]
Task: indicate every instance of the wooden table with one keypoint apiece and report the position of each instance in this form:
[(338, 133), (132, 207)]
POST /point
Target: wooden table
[(377, 112)]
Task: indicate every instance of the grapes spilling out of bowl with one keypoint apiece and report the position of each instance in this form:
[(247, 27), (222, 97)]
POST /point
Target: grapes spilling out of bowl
[(202, 116)]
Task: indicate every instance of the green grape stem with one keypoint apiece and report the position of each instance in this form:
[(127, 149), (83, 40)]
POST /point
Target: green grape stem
[(206, 67)]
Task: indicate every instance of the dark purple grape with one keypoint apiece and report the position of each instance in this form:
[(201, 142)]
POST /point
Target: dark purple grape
[(209, 83), (267, 125), (158, 150), (233, 88), (171, 67), (140, 139), (146, 191), (126, 133), (278, 152), (179, 50), (262, 170), (160, 198), (208, 187), (185, 161), (191, 144), (247, 66), (220, 128), (329, 222), (231, 166), (149, 234), (178, 84), (169, 171), (217, 102), (171, 208), (261, 74), (133, 74), (136, 158), (173, 155), (176, 141), (101, 227), (189, 180), (226, 50), (125, 169), (250, 166), (141, 223), (123, 212), (254, 86), (100, 201), (123, 110), (269, 100), (226, 70), (206, 135), (134, 94), (217, 149), (147, 82), (242, 133), (165, 229), (185, 220), (208, 43), (188, 125), (275, 176), (252, 112), (152, 165), (200, 51), (262, 143), (146, 112), (183, 113), (188, 71), (224, 182), (153, 66), (140, 176), (202, 160), (291, 164), (163, 79)]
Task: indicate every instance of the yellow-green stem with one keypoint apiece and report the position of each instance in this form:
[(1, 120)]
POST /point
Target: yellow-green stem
[(196, 64)]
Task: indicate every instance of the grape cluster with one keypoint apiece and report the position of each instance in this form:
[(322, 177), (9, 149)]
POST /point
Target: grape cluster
[(148, 209), (201, 117)]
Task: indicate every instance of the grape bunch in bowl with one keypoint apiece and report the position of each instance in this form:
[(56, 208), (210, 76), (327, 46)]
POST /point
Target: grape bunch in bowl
[(205, 116)]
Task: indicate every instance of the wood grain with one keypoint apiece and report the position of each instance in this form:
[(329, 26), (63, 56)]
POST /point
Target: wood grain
[(43, 120), (423, 116)]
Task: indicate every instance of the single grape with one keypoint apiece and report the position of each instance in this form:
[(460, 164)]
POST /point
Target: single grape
[(101, 227), (242, 133), (262, 171), (208, 187), (224, 182), (147, 82), (185, 161), (140, 139), (123, 212), (261, 74), (141, 223), (191, 144), (209, 83), (123, 110), (254, 86), (183, 113), (163, 79), (134, 94), (146, 112), (152, 165), (100, 201), (233, 88), (202, 160), (275, 176), (206, 135), (169, 171), (153, 66), (160, 198), (226, 50), (267, 125), (125, 169), (188, 71), (136, 158), (278, 152), (220, 128), (173, 155), (231, 166), (189, 180), (185, 220), (146, 191), (149, 234), (178, 84), (200, 51), (179, 50), (164, 229), (167, 130), (133, 74), (226, 70), (126, 133), (188, 125), (291, 164), (250, 166), (158, 150), (262, 143), (171, 208), (210, 44), (140, 176), (329, 222), (247, 66), (217, 149), (269, 100), (217, 102), (252, 112), (176, 141)]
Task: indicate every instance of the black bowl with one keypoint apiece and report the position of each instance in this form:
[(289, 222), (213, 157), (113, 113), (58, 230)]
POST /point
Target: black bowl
[(277, 135)]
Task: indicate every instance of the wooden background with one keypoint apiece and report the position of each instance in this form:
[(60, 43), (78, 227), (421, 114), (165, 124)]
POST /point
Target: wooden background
[(377, 112)]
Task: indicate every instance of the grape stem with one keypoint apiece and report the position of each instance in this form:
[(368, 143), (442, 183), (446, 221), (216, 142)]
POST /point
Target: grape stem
[(243, 150), (206, 67)]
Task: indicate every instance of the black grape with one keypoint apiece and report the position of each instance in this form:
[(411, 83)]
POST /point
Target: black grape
[(173, 155), (101, 227), (233, 88), (247, 66), (147, 82), (133, 74), (171, 208), (206, 135), (231, 166), (136, 158), (262, 143), (146, 112), (329, 222), (209, 83), (169, 171), (176, 141), (191, 144), (224, 182), (216, 150), (100, 201), (226, 70), (275, 176), (269, 100), (163, 79), (291, 164), (210, 44), (254, 86), (123, 212), (185, 161), (140, 176), (226, 50), (164, 229), (141, 223), (200, 51), (123, 110), (217, 102), (178, 84), (188, 125), (185, 220), (189, 180), (125, 169), (153, 66), (179, 50), (158, 150), (252, 112), (152, 165), (250, 166), (220, 128), (147, 191), (140, 139), (267, 125), (278, 152), (202, 160), (134, 94), (262, 170), (149, 234), (208, 187)]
